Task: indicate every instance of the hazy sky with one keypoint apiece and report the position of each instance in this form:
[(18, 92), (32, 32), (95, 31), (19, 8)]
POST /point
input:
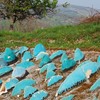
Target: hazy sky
[(87, 3)]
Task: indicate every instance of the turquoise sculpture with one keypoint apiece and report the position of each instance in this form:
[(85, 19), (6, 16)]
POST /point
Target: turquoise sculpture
[(54, 79), (21, 85), (56, 54), (39, 48), (78, 55), (4, 70), (78, 75), (29, 90), (2, 62), (85, 62), (44, 61), (49, 66), (18, 72), (41, 55), (49, 74), (27, 56), (11, 83), (39, 95), (25, 64), (67, 64), (22, 50), (9, 55), (63, 57)]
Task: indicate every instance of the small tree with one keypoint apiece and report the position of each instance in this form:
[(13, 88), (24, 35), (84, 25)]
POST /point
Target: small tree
[(18, 10)]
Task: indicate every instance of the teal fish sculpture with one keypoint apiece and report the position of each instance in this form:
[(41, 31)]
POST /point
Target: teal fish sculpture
[(56, 54), (78, 75), (29, 90), (38, 48), (54, 79), (39, 95), (21, 85), (4, 70), (2, 62), (63, 57), (9, 55), (41, 55), (49, 74), (25, 64), (44, 61), (11, 83), (27, 56), (18, 72), (21, 50), (78, 55), (67, 64), (49, 66), (85, 62)]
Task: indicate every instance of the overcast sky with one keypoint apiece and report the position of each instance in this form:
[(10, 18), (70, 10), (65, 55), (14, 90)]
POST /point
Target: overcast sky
[(87, 3)]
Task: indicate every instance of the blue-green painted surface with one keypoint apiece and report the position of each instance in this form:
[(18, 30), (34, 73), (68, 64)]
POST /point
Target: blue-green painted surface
[(5, 70), (10, 84), (29, 90), (54, 79), (40, 95), (21, 85)]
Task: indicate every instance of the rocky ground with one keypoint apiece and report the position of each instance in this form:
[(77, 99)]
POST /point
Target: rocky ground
[(80, 91)]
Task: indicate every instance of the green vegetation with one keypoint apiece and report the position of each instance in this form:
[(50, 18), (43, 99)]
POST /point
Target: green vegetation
[(84, 36)]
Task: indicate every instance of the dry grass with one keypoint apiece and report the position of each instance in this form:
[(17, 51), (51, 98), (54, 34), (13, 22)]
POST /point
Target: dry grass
[(92, 18)]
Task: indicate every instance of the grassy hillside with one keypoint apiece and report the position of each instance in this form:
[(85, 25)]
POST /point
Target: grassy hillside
[(84, 36)]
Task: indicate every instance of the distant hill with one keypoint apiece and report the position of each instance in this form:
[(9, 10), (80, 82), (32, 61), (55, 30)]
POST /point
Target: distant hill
[(68, 15)]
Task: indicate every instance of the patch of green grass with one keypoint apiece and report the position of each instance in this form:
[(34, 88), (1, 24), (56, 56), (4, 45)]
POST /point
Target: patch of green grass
[(84, 36)]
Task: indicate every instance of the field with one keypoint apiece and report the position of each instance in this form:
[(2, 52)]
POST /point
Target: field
[(84, 36)]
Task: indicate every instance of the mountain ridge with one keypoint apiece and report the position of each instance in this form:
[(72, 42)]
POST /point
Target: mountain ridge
[(71, 14)]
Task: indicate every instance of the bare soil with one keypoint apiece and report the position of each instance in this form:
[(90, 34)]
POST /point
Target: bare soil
[(81, 91)]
